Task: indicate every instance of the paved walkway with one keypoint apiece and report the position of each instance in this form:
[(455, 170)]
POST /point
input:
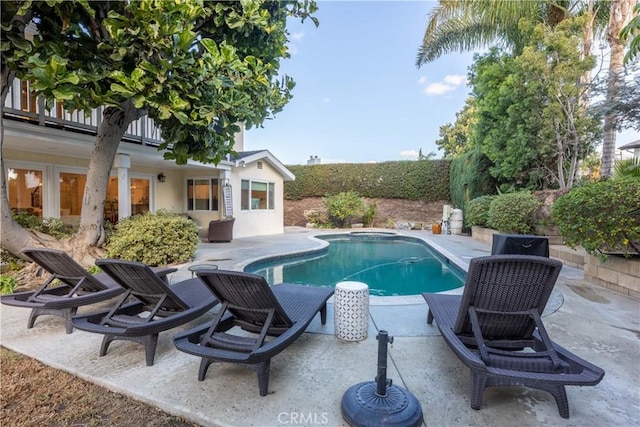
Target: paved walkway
[(309, 379)]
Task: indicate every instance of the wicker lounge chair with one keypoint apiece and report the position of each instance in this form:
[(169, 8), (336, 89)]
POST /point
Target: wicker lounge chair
[(282, 311), (497, 318), (69, 287), (148, 307)]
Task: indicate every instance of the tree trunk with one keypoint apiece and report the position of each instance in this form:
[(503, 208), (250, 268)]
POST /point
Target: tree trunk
[(114, 124), (621, 13)]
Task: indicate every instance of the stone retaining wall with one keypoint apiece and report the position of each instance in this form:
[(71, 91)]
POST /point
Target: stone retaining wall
[(618, 274)]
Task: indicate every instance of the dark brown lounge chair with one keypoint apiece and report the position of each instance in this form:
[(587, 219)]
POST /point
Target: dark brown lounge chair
[(282, 311), (148, 307), (69, 287), (497, 317)]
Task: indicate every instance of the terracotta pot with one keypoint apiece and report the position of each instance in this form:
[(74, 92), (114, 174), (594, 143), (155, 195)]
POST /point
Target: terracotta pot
[(436, 228)]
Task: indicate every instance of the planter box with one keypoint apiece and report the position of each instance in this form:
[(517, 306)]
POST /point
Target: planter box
[(616, 273)]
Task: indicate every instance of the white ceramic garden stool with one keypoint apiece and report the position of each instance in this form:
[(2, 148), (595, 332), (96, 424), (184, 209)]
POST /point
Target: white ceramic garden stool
[(351, 311)]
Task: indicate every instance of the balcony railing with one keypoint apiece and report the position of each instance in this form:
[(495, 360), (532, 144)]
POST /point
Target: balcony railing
[(22, 104)]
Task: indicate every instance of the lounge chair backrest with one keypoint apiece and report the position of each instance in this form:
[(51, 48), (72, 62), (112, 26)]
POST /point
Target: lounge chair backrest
[(506, 284), (64, 268), (142, 283), (249, 293)]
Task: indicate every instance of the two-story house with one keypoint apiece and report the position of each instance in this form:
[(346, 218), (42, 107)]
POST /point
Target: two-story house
[(47, 154)]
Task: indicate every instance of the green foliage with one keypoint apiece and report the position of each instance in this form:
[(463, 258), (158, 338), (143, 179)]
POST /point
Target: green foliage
[(513, 212), (7, 284), (457, 138), (632, 32), (343, 207), (155, 239), (601, 216), (197, 67), (627, 168), (317, 217), (369, 215), (418, 180), (476, 211), (54, 227), (530, 120), (470, 177)]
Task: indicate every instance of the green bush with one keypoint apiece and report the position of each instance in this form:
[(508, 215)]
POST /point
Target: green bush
[(155, 239), (54, 227), (470, 177), (601, 216), (476, 211), (343, 207), (513, 212), (369, 215), (318, 217), (7, 284)]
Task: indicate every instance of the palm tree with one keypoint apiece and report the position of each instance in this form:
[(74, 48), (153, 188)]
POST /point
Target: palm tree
[(621, 13), (469, 24)]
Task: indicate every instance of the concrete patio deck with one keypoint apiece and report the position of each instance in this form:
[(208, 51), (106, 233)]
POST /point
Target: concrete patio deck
[(308, 379)]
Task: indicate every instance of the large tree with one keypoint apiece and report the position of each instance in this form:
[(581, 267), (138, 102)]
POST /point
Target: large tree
[(530, 120), (621, 13), (470, 24), (197, 68)]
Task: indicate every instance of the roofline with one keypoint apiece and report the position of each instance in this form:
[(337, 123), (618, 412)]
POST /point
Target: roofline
[(287, 175)]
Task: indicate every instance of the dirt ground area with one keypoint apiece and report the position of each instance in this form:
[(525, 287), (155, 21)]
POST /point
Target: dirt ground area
[(33, 394), (389, 211)]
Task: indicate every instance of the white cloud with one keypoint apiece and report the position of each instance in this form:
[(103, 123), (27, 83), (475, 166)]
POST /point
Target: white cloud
[(297, 36), (326, 100), (438, 88), (455, 79), (409, 154), (293, 49), (448, 84)]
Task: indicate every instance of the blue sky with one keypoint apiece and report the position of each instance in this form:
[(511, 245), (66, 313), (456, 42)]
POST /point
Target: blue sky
[(359, 96)]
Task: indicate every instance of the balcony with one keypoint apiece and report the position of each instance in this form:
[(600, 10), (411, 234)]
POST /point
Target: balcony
[(22, 105)]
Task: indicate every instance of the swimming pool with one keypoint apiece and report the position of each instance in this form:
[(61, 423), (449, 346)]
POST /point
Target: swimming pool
[(389, 264)]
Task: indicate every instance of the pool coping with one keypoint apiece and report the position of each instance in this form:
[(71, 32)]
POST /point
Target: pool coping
[(322, 245)]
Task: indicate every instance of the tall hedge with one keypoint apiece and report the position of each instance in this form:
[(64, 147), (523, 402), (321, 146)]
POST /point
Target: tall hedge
[(412, 180), (470, 178)]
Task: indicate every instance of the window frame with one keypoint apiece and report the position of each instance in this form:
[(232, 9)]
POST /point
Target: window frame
[(211, 199), (247, 201)]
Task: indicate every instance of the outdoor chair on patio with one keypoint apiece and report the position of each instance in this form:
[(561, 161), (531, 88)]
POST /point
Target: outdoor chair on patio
[(248, 302), (69, 287), (149, 306), (495, 328)]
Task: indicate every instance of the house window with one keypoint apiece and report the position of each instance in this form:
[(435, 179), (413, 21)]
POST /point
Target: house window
[(256, 195), (202, 194), (139, 196), (71, 193), (25, 190)]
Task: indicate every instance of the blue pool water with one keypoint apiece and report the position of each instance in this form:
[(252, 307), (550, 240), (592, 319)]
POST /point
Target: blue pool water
[(389, 265)]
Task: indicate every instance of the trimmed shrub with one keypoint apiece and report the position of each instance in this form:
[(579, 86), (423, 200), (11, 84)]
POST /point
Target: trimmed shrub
[(342, 208), (476, 211), (418, 180), (513, 212), (601, 216), (154, 238)]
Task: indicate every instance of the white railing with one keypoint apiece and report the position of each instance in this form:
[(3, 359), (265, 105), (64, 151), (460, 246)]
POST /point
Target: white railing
[(22, 104)]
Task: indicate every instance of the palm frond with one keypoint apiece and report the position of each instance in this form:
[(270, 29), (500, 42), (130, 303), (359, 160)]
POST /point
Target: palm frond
[(457, 36), (627, 168)]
